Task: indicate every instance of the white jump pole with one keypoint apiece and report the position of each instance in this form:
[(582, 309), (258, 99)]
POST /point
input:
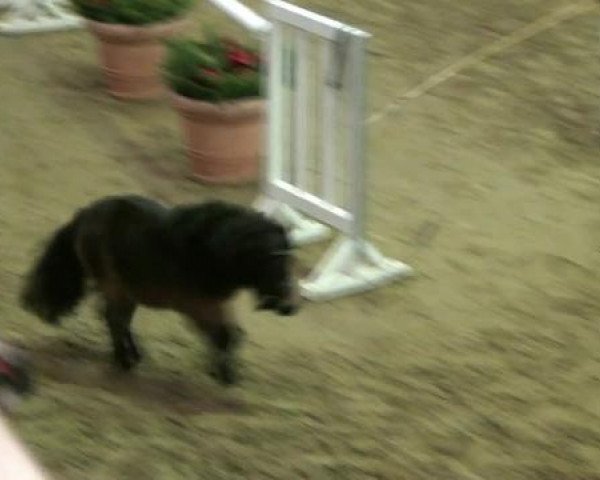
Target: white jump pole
[(37, 16), (243, 15)]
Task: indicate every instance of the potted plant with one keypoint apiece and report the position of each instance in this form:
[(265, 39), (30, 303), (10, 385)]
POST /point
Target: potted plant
[(131, 36), (215, 89)]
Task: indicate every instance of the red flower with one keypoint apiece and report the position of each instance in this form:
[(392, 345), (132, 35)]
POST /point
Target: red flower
[(209, 73), (6, 368), (242, 58)]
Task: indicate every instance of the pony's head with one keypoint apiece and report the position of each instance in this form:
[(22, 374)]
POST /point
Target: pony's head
[(265, 259), (240, 248), (275, 285)]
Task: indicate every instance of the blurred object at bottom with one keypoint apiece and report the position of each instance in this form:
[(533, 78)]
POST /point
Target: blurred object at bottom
[(15, 376), (15, 383), (15, 461)]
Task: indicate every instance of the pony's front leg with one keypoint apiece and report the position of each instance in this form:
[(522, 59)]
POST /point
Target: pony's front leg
[(216, 322)]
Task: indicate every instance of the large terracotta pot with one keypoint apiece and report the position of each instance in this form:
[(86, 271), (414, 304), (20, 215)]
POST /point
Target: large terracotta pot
[(224, 141), (132, 56)]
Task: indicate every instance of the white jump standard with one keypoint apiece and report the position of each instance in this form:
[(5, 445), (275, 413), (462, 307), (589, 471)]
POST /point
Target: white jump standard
[(352, 265)]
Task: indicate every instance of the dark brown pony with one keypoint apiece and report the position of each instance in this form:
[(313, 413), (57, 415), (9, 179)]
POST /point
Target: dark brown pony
[(190, 258)]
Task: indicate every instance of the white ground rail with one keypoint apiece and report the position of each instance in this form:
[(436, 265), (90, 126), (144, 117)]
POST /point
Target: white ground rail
[(36, 16)]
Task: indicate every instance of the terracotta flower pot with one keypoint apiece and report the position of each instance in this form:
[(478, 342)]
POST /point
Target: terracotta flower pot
[(132, 56), (224, 141)]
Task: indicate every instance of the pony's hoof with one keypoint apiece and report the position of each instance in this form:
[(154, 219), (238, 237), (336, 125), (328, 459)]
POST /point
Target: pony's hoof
[(135, 355), (127, 362), (224, 374), (52, 320)]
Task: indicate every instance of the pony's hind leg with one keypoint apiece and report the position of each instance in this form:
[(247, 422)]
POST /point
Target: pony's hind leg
[(118, 316)]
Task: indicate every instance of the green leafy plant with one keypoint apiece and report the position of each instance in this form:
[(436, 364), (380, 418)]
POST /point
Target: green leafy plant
[(131, 12), (218, 69)]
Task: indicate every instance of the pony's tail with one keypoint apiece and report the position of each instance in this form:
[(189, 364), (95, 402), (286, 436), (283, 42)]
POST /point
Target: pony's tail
[(56, 282)]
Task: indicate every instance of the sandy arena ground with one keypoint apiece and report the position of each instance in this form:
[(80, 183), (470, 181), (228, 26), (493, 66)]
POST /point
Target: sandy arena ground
[(486, 365)]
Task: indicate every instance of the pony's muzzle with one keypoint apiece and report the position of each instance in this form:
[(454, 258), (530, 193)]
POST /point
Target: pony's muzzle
[(282, 307), (288, 309), (284, 299)]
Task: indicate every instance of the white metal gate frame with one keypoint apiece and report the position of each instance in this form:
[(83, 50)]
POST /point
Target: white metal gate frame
[(352, 264)]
